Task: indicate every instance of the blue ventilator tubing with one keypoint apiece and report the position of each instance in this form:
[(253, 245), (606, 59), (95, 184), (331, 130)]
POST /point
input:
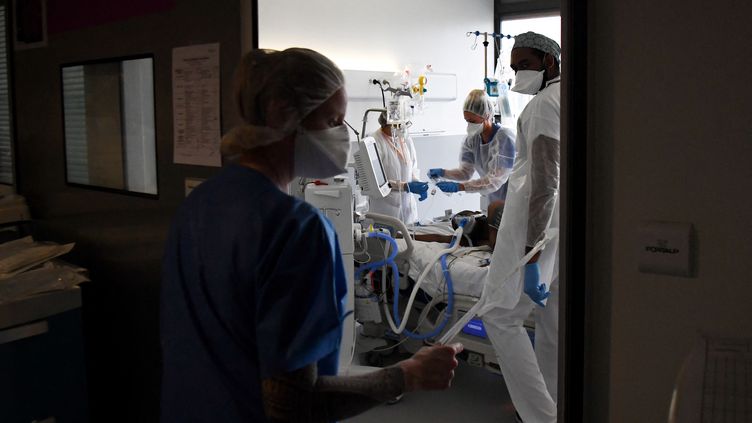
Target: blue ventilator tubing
[(388, 260), (395, 309)]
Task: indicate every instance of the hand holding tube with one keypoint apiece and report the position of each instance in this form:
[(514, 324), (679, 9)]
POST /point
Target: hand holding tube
[(533, 288), (431, 368), (419, 188)]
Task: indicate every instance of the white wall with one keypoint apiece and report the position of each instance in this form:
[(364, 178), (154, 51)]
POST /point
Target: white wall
[(671, 106), (389, 36)]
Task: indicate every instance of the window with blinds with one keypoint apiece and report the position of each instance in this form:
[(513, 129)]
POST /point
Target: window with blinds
[(74, 107), (6, 129), (108, 114)]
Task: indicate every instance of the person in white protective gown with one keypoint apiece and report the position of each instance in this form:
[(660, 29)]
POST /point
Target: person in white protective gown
[(515, 283), (489, 149), (400, 163)]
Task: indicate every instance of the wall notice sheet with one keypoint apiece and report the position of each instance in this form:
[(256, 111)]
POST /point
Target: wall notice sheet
[(195, 105)]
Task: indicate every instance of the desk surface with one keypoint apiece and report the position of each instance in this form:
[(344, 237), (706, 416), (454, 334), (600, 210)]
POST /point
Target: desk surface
[(38, 307)]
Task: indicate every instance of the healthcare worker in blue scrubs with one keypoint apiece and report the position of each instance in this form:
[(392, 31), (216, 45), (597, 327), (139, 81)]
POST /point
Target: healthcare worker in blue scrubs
[(489, 149), (253, 281)]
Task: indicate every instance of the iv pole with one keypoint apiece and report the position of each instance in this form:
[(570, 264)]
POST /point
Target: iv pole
[(485, 55), (490, 85)]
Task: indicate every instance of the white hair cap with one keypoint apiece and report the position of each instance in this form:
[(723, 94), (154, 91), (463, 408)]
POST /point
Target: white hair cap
[(539, 42), (294, 82), (477, 102)]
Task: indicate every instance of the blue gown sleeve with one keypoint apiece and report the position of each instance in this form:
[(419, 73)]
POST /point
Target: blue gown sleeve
[(301, 298), (507, 150)]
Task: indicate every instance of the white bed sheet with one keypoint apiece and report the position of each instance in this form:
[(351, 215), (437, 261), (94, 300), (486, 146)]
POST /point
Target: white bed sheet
[(465, 266), (440, 228)]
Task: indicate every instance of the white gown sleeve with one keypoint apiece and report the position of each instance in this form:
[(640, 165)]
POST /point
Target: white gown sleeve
[(544, 178)]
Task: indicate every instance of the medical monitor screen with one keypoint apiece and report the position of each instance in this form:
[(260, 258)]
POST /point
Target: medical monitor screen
[(378, 170)]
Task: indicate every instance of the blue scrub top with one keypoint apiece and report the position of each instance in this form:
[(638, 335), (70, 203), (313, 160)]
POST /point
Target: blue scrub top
[(253, 286)]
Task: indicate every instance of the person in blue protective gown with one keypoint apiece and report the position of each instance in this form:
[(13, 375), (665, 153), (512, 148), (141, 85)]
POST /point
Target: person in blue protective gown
[(489, 150), (253, 281)]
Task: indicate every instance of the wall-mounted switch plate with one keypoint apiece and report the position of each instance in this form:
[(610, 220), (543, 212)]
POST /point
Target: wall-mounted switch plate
[(666, 248)]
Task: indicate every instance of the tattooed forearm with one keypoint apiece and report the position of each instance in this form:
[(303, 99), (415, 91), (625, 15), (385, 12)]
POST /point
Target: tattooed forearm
[(300, 396)]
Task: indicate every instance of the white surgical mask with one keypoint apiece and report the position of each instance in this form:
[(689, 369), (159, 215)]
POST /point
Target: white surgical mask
[(473, 128), (528, 81), (321, 153)]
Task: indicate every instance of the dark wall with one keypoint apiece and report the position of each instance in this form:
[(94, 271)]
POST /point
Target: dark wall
[(505, 8), (119, 238), (41, 169)]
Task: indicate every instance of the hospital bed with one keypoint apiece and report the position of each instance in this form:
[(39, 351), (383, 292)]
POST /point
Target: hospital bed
[(468, 267), (371, 294)]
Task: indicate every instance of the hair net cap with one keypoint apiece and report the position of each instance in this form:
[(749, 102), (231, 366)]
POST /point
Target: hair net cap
[(478, 102), (538, 42), (290, 84)]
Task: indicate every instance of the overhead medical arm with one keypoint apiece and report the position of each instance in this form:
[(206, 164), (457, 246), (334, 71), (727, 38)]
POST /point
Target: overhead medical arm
[(365, 118)]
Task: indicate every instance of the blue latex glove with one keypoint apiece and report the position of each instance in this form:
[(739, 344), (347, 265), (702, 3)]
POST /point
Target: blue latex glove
[(447, 186), (436, 173), (420, 188), (533, 288)]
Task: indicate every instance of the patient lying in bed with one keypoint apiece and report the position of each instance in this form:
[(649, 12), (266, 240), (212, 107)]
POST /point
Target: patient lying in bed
[(468, 267), (482, 229)]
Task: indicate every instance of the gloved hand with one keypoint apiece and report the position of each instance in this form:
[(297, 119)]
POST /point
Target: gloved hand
[(436, 173), (447, 186), (533, 288), (420, 188)]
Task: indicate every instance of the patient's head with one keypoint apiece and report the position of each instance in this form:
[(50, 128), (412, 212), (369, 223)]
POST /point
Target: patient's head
[(480, 228), (475, 228)]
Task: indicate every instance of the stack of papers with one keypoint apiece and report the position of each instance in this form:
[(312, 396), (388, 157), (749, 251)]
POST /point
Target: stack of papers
[(27, 268)]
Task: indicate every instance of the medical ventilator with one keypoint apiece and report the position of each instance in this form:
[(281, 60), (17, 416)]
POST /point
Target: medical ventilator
[(335, 200)]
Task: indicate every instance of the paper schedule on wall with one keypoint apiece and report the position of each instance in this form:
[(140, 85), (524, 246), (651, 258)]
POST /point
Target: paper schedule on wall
[(195, 105)]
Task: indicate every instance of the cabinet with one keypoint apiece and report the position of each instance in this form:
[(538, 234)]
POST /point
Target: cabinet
[(42, 366)]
